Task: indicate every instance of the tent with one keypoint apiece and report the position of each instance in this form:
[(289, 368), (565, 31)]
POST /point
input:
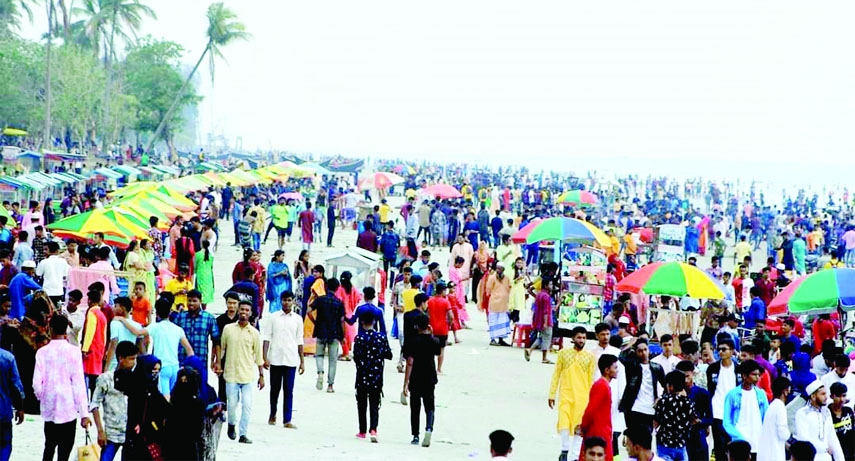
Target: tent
[(361, 263)]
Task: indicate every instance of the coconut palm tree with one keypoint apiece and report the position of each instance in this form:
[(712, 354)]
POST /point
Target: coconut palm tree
[(90, 29), (223, 28), (11, 14)]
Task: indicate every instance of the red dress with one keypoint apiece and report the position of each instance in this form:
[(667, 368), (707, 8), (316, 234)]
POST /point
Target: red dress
[(597, 419), (351, 301)]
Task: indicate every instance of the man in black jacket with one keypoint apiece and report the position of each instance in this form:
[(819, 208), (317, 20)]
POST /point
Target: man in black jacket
[(643, 382)]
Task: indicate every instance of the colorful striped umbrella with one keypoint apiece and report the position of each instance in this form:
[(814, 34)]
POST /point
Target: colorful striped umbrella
[(578, 198), (521, 235), (672, 279), (567, 230), (117, 228), (818, 293)]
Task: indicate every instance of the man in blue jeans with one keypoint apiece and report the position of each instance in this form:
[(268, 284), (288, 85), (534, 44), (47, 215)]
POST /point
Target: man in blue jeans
[(109, 406), (241, 341), (12, 395), (282, 333)]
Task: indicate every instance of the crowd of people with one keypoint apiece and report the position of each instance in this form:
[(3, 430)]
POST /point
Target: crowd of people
[(133, 361)]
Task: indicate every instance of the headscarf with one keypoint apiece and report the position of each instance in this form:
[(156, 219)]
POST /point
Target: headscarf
[(206, 392), (482, 256)]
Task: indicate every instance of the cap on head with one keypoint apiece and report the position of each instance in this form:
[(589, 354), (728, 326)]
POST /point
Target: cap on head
[(28, 264)]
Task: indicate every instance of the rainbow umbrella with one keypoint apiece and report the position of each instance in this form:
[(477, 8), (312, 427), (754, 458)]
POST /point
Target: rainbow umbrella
[(133, 188), (521, 235), (578, 198), (818, 293), (672, 279), (567, 230)]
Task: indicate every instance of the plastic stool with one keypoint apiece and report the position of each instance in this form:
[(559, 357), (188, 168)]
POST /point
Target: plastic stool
[(521, 335), (558, 342)]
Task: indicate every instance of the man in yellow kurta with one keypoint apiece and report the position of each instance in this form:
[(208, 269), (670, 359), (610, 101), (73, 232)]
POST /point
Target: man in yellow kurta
[(574, 373)]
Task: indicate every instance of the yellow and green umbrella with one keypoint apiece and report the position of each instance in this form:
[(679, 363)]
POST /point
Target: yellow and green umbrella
[(117, 228), (133, 188)]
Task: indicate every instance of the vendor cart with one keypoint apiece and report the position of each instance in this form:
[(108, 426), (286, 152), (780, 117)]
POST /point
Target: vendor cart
[(580, 302)]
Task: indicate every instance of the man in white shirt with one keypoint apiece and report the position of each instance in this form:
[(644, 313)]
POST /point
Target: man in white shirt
[(814, 425), (667, 358), (282, 336), (745, 407), (602, 347), (721, 378), (840, 374), (54, 271)]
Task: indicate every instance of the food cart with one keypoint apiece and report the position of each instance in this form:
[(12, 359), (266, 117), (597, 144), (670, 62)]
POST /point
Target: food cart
[(669, 243), (580, 302)]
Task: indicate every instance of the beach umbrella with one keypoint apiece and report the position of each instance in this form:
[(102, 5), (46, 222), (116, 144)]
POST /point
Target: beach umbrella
[(380, 181), (171, 195), (403, 169), (213, 178), (672, 279), (818, 293), (234, 180), (117, 228), (140, 217), (521, 235), (441, 191), (578, 198), (180, 203), (133, 188), (291, 196), (567, 230), (187, 184), (14, 132), (316, 168), (149, 203)]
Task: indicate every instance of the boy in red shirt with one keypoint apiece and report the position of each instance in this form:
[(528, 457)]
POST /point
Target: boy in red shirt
[(440, 315), (141, 306)]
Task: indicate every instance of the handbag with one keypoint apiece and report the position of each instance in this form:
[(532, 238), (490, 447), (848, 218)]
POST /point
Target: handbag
[(90, 451)]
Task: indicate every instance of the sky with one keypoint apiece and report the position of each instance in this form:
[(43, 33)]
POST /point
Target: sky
[(737, 88)]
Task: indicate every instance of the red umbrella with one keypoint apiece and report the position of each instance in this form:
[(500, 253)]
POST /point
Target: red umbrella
[(521, 235), (645, 234), (442, 191), (381, 180)]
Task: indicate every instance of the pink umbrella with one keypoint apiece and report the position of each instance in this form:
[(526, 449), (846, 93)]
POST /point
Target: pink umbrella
[(521, 235), (291, 196), (380, 181), (442, 191)]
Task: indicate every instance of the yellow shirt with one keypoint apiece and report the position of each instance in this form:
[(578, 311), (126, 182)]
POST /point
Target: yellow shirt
[(260, 223), (743, 249), (175, 286), (615, 249), (385, 209), (408, 296), (631, 248), (572, 380), (243, 346)]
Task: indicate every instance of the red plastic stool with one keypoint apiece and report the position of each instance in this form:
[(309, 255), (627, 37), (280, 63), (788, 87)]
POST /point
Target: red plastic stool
[(558, 342), (521, 335)]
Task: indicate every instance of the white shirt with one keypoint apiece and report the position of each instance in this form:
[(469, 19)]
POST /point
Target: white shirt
[(285, 334), (76, 320), (644, 401), (774, 433), (726, 382), (848, 379), (750, 422), (54, 270), (597, 351), (815, 426), (668, 363)]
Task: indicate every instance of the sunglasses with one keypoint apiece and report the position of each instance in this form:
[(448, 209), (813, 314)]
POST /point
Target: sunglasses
[(723, 349)]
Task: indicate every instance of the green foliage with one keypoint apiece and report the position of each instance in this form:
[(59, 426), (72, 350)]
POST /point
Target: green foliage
[(151, 75)]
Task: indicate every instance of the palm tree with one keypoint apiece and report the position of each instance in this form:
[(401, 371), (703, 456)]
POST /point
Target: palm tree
[(90, 29), (11, 12), (223, 28)]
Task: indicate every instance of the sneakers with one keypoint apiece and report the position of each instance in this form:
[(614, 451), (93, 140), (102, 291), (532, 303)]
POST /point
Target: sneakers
[(231, 432), (415, 440), (244, 439), (319, 385), (426, 440), (373, 436), (289, 425), (360, 435)]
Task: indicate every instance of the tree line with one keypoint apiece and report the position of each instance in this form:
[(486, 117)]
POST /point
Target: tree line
[(91, 80)]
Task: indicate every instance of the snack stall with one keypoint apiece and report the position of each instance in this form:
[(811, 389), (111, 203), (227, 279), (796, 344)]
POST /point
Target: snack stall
[(580, 302)]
